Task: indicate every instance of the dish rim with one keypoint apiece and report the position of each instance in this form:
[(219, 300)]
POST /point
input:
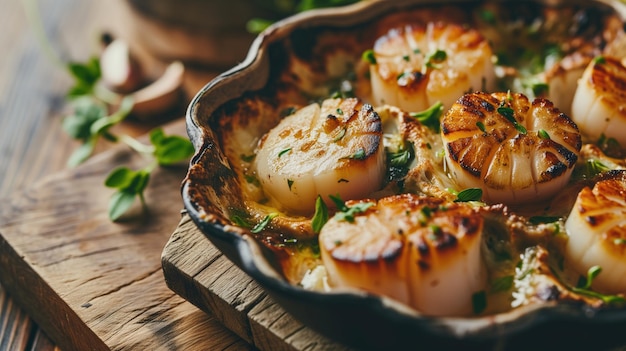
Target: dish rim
[(248, 254)]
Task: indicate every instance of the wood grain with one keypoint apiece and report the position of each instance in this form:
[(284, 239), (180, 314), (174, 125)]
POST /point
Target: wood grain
[(198, 271), (93, 284)]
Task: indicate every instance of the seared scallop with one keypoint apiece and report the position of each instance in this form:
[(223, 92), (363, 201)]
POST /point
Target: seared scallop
[(597, 233), (414, 66), (516, 150), (422, 251), (599, 105), (332, 149)]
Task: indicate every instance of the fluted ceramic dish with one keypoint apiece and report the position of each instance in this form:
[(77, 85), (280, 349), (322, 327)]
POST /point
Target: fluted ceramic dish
[(212, 190)]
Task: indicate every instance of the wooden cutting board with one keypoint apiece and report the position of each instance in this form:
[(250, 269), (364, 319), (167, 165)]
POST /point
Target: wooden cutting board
[(95, 285)]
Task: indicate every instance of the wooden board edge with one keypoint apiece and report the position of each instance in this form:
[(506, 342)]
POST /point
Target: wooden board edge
[(68, 332)]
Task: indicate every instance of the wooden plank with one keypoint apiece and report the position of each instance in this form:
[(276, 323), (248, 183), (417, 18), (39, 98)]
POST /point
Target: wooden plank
[(196, 270), (94, 284)]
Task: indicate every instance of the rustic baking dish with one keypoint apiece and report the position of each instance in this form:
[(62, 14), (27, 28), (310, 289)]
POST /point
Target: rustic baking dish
[(253, 93)]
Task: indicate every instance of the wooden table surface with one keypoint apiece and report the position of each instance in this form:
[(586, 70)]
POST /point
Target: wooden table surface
[(32, 105)]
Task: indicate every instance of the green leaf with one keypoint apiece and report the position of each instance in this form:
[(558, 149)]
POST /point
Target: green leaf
[(86, 75), (87, 111), (120, 202), (173, 149), (264, 223), (430, 117), (257, 25), (479, 301), (102, 125), (341, 206), (349, 212), (369, 56), (81, 153), (321, 215), (156, 136), (535, 220), (509, 114), (140, 182), (120, 178), (470, 194), (400, 158)]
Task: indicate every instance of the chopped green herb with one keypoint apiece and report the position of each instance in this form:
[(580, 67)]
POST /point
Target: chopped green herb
[(430, 117), (426, 211), (250, 179), (369, 56), (610, 146), (345, 213), (284, 152), (470, 194), (436, 229), (481, 126), (261, 225), (343, 180), (400, 158), (358, 155), (541, 133), (436, 57), (417, 51), (509, 114), (479, 301), (535, 220), (289, 183), (340, 135), (321, 215), (540, 89), (247, 158), (591, 168), (406, 58), (599, 60), (240, 218), (339, 111), (584, 288)]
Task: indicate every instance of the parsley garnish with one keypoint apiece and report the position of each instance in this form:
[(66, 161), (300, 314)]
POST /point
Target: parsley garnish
[(470, 194), (247, 158), (340, 135), (594, 167), (481, 126), (321, 215), (369, 56), (430, 117), (264, 223), (509, 114), (584, 288), (479, 301), (90, 121), (543, 134), (535, 220), (166, 150), (345, 213), (358, 155), (289, 183), (436, 57), (282, 152)]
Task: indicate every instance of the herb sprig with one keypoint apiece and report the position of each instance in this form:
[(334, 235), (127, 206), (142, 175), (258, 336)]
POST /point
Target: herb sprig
[(90, 121)]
